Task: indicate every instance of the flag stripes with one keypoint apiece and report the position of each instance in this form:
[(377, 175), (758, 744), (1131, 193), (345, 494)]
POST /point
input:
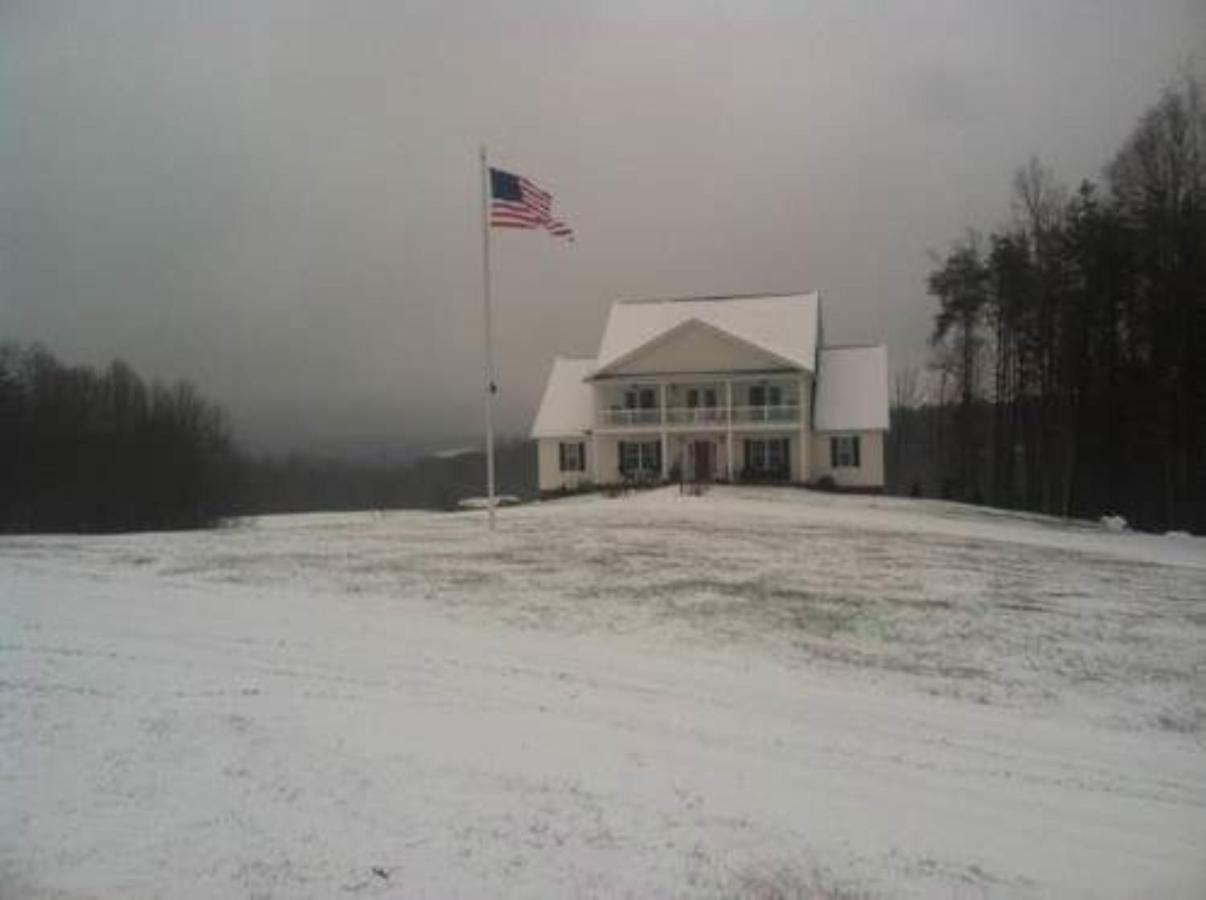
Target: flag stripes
[(517, 202)]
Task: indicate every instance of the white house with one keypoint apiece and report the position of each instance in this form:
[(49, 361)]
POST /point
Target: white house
[(728, 388)]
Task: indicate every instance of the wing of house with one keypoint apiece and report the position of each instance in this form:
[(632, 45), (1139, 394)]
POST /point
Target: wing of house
[(733, 388)]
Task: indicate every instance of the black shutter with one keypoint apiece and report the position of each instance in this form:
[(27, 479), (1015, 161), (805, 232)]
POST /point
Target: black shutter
[(561, 456), (581, 456), (854, 443), (747, 462), (620, 451), (833, 453), (787, 458), (657, 456)]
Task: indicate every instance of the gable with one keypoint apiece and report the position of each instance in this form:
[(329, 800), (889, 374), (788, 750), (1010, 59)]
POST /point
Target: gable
[(695, 347), (783, 326)]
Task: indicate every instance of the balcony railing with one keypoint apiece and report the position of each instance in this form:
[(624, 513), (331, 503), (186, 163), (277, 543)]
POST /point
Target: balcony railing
[(696, 415), (630, 416), (701, 415), (762, 415)]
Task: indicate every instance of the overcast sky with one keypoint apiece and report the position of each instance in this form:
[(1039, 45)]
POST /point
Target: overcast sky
[(281, 201)]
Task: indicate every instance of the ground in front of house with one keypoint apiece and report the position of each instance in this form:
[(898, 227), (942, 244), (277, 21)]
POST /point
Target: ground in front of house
[(756, 692)]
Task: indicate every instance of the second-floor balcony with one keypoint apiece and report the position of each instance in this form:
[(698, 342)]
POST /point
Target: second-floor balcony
[(699, 416)]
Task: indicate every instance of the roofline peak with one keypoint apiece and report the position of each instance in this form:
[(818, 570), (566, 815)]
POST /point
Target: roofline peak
[(706, 298)]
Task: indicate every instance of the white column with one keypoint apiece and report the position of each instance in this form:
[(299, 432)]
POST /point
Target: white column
[(803, 451), (728, 434), (665, 438)]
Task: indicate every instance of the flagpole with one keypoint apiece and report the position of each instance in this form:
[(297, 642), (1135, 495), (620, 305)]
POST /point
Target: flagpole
[(486, 321)]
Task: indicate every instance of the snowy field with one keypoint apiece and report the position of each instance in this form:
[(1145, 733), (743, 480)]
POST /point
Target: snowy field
[(754, 693)]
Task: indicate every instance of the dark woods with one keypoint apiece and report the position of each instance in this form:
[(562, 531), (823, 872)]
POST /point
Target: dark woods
[(86, 450), (1069, 349), (82, 450)]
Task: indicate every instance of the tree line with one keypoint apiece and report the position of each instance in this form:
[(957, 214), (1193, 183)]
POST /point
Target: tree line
[(89, 450), (84, 450), (1069, 347)]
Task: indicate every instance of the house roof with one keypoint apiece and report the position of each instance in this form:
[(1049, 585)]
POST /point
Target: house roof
[(852, 389), (785, 325), (567, 407)]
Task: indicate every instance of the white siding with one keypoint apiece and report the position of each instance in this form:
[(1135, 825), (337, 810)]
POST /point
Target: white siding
[(852, 389), (609, 460), (549, 464), (870, 472)]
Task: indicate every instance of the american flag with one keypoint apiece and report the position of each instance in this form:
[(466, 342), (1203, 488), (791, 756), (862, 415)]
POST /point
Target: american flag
[(516, 202)]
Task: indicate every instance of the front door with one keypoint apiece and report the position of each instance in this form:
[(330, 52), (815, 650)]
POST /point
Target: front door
[(702, 460)]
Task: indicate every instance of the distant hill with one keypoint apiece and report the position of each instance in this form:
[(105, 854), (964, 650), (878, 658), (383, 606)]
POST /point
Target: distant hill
[(308, 483)]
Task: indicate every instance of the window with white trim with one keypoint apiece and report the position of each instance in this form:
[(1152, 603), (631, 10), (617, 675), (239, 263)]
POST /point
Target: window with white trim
[(766, 457), (766, 395), (843, 452), (642, 456)]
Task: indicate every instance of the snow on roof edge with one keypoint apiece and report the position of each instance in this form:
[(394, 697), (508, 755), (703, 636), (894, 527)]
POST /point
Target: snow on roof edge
[(786, 325), (710, 297), (567, 405)]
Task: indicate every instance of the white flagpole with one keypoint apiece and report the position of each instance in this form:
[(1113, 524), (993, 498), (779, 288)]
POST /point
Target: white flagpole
[(490, 386)]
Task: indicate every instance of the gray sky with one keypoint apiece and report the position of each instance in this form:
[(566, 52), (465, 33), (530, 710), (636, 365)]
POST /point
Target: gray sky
[(280, 201)]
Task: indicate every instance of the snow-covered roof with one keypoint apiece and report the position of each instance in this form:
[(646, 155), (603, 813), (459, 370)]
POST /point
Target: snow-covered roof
[(567, 407), (852, 389), (785, 324)]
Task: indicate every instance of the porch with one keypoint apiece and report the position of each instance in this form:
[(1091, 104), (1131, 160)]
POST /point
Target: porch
[(747, 455), (701, 403)]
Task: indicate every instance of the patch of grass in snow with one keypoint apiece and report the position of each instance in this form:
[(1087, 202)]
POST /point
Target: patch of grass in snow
[(700, 600), (1182, 721), (774, 880)]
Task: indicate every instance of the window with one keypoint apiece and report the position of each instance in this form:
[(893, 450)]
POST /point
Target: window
[(710, 398), (766, 395), (573, 457), (769, 457), (644, 456), (843, 452), (640, 398), (692, 398)]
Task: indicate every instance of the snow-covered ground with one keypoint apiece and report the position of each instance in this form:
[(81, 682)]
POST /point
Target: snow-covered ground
[(767, 693)]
